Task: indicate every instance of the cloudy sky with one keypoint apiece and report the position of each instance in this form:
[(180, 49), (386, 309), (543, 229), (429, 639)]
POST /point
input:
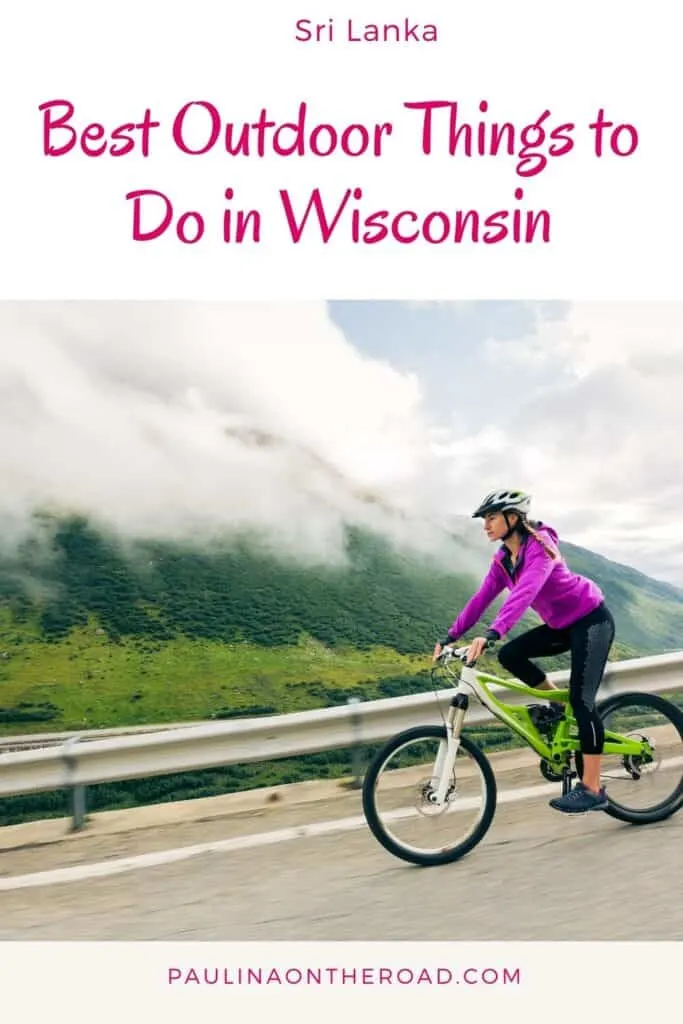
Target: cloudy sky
[(178, 418)]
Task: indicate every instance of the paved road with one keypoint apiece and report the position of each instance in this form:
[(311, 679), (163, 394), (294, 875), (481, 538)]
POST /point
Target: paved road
[(537, 875)]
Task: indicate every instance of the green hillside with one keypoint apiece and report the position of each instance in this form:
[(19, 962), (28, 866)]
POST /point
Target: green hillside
[(94, 634), (649, 613)]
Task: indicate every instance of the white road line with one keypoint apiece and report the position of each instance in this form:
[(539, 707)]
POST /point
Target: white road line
[(103, 869)]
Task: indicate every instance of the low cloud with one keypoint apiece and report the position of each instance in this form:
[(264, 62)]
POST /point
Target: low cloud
[(190, 420), (187, 421)]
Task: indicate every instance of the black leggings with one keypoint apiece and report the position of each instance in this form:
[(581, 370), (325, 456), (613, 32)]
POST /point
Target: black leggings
[(589, 641)]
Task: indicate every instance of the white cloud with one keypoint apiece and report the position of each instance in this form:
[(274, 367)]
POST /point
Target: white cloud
[(599, 441), (593, 336), (172, 419), (185, 419)]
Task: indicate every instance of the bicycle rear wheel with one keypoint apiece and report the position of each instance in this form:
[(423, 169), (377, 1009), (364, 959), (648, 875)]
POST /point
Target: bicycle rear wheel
[(643, 790), (396, 793)]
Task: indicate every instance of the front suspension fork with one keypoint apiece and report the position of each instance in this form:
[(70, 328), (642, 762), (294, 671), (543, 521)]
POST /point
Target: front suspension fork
[(445, 760)]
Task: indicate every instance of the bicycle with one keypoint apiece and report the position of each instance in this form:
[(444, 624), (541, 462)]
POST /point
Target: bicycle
[(425, 771)]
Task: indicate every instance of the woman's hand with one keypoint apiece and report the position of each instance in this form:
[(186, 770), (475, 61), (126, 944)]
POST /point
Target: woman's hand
[(439, 647), (476, 648)]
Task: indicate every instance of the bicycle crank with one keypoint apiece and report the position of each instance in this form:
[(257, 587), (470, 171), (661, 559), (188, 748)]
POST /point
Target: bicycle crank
[(549, 772)]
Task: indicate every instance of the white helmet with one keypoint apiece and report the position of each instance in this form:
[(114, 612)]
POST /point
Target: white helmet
[(504, 501)]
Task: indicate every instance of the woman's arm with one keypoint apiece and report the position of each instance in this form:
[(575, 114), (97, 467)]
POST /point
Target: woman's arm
[(491, 587)]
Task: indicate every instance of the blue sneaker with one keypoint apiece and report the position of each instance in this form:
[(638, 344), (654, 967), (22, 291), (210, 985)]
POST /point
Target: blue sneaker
[(580, 799)]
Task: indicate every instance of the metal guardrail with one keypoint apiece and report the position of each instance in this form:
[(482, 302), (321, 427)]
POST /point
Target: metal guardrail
[(38, 740), (183, 748), (75, 764)]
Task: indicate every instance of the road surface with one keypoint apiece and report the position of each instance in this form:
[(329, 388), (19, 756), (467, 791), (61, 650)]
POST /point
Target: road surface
[(537, 875)]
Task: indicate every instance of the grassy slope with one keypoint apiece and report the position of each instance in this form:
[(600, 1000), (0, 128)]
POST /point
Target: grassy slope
[(94, 675), (205, 663), (96, 683), (88, 682)]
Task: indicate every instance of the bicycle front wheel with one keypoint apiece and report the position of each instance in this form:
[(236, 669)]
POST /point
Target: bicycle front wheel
[(396, 798), (649, 788)]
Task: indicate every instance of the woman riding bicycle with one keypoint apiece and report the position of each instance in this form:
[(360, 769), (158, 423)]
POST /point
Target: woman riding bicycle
[(575, 618)]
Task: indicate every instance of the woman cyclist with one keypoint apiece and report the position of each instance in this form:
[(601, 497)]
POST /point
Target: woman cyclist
[(575, 618)]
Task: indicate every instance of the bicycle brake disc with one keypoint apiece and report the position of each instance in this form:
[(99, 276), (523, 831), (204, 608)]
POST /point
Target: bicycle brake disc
[(426, 804), (634, 764)]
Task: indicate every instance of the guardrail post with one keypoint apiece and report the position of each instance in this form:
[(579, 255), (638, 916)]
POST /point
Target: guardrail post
[(356, 760), (78, 808), (77, 792)]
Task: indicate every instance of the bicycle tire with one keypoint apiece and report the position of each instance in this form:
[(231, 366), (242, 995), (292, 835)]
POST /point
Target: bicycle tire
[(674, 802), (373, 819)]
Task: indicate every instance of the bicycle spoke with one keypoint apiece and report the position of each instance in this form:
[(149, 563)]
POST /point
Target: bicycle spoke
[(403, 798), (650, 784)]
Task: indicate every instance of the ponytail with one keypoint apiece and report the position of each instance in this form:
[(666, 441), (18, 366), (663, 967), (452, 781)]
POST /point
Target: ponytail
[(531, 528)]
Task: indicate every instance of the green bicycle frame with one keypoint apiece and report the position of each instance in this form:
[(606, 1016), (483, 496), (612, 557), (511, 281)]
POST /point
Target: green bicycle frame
[(565, 739)]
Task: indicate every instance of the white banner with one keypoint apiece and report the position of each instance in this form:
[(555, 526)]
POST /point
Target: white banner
[(175, 982), (266, 150)]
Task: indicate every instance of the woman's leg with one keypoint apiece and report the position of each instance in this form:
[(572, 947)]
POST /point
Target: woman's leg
[(541, 642), (592, 639)]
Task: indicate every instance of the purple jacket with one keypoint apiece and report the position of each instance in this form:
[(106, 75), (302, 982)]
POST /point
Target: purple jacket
[(560, 597)]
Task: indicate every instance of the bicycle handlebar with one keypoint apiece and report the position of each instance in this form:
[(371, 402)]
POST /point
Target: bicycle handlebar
[(448, 652)]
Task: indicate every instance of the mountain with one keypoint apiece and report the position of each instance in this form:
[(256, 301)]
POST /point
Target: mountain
[(648, 612), (97, 632)]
